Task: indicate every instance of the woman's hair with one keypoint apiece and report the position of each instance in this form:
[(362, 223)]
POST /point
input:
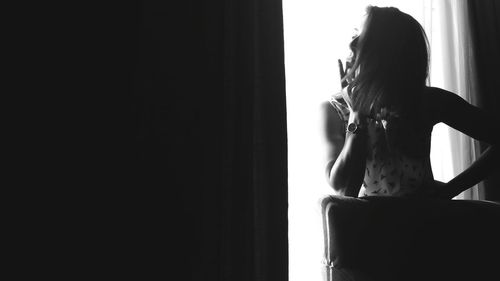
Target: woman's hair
[(391, 61)]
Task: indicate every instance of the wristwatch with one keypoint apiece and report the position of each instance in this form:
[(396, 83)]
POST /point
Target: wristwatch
[(354, 128)]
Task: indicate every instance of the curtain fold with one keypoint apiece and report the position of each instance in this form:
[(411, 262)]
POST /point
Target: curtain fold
[(485, 30), (210, 136), (255, 137)]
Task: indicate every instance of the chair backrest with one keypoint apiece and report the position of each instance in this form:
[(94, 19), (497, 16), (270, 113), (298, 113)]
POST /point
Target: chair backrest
[(394, 238)]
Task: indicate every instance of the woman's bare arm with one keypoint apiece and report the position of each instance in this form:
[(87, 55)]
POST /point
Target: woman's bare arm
[(476, 123), (334, 136), (346, 155)]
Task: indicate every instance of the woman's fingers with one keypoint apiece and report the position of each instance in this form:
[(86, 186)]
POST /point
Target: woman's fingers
[(343, 72), (341, 69)]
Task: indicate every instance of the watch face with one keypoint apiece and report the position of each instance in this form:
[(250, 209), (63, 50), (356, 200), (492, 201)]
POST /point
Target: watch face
[(352, 127)]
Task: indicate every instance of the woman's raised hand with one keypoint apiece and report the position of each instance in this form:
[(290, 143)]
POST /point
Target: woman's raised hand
[(344, 84)]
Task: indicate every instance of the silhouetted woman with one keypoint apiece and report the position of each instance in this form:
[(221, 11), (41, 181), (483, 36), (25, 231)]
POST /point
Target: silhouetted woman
[(379, 127)]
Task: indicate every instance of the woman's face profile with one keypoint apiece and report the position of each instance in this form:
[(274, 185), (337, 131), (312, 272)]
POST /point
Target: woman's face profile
[(354, 39)]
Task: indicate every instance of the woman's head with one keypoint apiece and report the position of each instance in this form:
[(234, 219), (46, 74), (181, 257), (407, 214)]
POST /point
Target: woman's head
[(391, 60)]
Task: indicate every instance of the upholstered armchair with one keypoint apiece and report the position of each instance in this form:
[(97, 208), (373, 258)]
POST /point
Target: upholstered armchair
[(391, 238)]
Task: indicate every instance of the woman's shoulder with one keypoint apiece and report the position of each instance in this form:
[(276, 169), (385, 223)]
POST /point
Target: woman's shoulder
[(440, 100), (436, 100), (441, 97), (436, 93)]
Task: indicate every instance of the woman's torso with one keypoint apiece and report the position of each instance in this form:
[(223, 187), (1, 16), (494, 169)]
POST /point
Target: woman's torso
[(398, 159)]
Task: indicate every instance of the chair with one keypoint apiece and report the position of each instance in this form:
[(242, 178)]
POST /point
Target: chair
[(394, 238)]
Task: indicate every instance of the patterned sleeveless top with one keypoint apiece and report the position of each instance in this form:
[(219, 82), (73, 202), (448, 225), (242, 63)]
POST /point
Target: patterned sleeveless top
[(392, 168)]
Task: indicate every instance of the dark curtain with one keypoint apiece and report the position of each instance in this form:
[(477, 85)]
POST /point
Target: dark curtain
[(485, 28), (200, 164)]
